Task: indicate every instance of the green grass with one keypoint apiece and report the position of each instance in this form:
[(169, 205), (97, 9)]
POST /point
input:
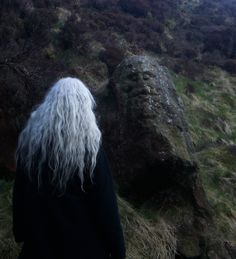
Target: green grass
[(211, 115), (210, 109)]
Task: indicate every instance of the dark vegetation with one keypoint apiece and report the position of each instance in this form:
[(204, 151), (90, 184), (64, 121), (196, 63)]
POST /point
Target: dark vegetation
[(190, 37), (42, 40)]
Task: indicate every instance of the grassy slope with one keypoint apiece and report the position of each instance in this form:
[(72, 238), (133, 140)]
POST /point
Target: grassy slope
[(210, 110), (144, 238)]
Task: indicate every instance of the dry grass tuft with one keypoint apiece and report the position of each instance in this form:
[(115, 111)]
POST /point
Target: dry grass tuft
[(145, 239)]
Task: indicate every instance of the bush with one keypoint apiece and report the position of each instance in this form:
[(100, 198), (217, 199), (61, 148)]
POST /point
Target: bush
[(72, 35), (112, 56), (230, 66), (38, 25), (138, 8)]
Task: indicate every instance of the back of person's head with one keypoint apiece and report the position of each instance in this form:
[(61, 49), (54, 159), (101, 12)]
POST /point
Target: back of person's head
[(62, 132)]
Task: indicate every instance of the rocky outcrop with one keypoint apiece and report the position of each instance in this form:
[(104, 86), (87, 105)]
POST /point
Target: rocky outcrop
[(152, 145), (150, 148)]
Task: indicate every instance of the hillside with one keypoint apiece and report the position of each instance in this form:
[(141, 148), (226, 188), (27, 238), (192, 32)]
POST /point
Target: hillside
[(42, 40)]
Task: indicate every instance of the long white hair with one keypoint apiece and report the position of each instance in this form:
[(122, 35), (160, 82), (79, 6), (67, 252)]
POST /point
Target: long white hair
[(63, 133)]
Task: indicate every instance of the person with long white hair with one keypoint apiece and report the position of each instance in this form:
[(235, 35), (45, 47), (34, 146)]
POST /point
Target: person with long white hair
[(64, 201)]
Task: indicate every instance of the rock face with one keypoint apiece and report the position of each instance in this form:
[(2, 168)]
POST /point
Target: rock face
[(150, 149), (151, 144)]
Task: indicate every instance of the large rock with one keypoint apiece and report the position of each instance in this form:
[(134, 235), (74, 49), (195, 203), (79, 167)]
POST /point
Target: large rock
[(148, 137)]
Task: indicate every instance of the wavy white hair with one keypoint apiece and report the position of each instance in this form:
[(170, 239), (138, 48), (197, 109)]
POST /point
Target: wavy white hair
[(62, 132)]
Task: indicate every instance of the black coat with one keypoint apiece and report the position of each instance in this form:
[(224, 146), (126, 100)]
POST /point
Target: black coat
[(75, 225)]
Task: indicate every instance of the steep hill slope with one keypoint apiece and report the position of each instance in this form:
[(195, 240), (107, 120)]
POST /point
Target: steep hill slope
[(41, 40)]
